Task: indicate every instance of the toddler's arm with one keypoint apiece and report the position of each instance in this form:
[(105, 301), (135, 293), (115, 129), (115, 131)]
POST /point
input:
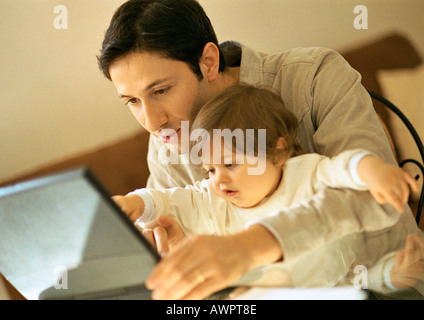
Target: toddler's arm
[(387, 183)]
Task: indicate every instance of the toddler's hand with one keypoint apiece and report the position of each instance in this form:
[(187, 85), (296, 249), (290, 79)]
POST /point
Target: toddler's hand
[(131, 205), (387, 183)]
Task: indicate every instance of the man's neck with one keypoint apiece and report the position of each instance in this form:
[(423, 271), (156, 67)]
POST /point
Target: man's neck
[(231, 76), (226, 79)]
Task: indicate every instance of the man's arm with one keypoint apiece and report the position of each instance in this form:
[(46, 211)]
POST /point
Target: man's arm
[(328, 215), (342, 111)]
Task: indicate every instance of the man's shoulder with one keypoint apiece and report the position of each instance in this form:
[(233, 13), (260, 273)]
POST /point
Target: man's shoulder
[(296, 62), (299, 57), (305, 55)]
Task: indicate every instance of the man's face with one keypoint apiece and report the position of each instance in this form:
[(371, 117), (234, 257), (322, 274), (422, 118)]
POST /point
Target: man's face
[(160, 93)]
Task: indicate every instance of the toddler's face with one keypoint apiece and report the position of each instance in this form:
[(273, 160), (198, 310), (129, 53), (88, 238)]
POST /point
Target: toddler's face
[(231, 180)]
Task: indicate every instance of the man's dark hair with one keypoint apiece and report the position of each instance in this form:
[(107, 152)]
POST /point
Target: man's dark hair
[(175, 29)]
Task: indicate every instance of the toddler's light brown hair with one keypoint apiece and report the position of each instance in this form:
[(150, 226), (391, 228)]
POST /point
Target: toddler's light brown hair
[(248, 107)]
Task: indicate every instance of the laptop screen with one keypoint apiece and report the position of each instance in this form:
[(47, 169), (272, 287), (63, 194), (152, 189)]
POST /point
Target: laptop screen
[(62, 235)]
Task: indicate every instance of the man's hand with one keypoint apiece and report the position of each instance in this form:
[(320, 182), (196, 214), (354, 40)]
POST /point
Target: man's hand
[(409, 263), (204, 264), (165, 235)]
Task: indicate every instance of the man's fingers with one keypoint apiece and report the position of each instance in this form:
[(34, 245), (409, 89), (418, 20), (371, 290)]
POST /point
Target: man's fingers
[(175, 233), (148, 234), (204, 289), (161, 238), (166, 221), (170, 224), (164, 275), (158, 238)]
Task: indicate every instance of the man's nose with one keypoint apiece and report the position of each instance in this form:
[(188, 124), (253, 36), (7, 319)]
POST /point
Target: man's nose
[(154, 117)]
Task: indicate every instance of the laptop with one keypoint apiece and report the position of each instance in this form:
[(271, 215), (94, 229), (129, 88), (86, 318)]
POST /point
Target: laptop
[(63, 237)]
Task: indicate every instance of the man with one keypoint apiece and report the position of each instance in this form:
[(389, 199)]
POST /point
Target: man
[(165, 62)]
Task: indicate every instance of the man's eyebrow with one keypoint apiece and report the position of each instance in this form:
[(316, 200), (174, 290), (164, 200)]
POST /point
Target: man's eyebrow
[(155, 83), (150, 86)]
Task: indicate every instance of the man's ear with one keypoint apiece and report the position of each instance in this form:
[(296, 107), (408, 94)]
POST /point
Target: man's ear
[(209, 62)]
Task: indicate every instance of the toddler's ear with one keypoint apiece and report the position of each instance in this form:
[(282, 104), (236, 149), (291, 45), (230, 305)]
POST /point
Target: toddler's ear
[(280, 153), (281, 143)]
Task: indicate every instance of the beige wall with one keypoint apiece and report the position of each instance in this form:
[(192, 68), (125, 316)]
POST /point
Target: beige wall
[(54, 102), (275, 25)]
